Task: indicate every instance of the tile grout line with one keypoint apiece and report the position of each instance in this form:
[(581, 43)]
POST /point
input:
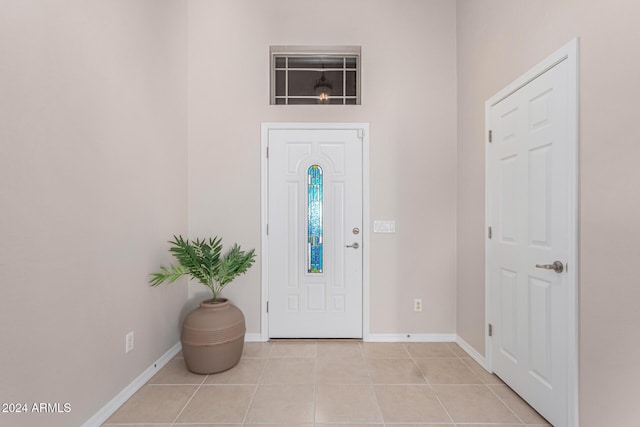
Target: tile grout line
[(462, 359), (373, 386), (482, 383), (446, 411), (315, 386), (444, 407), (255, 391), (189, 401), (470, 369), (315, 381), (505, 404)]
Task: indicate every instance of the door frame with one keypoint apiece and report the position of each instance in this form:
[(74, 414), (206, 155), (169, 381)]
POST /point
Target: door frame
[(569, 54), (264, 196)]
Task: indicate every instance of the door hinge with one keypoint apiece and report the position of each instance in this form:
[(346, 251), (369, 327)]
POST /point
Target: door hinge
[(267, 306), (267, 229), (490, 232), (490, 330), (267, 152), (490, 136)]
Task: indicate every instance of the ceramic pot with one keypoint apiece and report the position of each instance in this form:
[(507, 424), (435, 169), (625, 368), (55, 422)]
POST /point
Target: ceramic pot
[(212, 337)]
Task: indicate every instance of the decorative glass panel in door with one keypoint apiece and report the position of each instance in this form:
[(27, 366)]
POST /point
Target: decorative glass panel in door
[(314, 219)]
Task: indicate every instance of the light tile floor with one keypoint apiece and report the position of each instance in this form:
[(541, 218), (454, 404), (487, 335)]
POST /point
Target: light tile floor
[(327, 383)]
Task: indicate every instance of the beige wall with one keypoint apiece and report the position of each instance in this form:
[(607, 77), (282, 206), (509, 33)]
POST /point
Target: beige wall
[(497, 41), (93, 183), (408, 97)]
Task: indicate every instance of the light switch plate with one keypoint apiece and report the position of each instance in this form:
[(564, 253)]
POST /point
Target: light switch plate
[(384, 226)]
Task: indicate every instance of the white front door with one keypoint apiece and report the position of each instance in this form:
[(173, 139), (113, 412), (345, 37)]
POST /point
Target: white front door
[(314, 233), (528, 209)]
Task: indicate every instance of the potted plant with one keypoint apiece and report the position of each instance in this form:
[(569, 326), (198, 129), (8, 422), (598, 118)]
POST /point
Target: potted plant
[(213, 334)]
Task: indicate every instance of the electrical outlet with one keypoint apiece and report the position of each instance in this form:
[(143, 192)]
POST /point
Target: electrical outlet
[(128, 346), (417, 304)]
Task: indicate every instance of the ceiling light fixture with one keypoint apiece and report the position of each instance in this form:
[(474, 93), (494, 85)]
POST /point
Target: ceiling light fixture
[(322, 89)]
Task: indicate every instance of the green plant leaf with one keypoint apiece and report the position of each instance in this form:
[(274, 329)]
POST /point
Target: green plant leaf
[(202, 260), (168, 275)]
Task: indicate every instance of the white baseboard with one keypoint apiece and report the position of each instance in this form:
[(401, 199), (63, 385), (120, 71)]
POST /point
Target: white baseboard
[(471, 352), (254, 337), (107, 410), (410, 338)]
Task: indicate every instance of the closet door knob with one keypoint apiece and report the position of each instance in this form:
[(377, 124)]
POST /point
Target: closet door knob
[(556, 266)]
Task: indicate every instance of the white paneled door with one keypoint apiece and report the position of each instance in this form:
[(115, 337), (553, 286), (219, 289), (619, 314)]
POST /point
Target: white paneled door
[(314, 218), (528, 210)]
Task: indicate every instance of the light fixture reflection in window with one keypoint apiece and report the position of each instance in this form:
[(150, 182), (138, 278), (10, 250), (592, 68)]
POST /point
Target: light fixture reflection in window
[(322, 89)]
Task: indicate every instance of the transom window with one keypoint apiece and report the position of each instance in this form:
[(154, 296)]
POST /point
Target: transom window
[(329, 76)]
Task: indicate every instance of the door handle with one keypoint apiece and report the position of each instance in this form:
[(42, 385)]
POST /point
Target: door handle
[(355, 245), (556, 266)]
